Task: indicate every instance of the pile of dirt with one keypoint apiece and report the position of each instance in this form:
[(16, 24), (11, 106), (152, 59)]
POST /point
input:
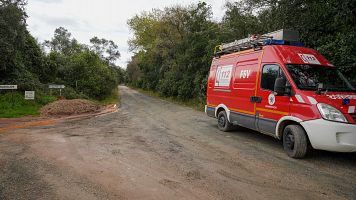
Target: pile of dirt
[(69, 107)]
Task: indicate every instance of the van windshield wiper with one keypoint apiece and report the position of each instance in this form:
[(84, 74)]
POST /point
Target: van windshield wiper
[(307, 87), (341, 90)]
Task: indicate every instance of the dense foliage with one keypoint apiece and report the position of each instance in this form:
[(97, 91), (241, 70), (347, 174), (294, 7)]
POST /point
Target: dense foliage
[(88, 71), (173, 50), (173, 47)]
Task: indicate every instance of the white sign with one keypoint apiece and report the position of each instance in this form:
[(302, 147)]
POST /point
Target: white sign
[(309, 58), (271, 99), (223, 76), (29, 95), (56, 86), (8, 87)]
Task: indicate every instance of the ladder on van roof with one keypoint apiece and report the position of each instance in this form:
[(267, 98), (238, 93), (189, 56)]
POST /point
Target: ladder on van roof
[(280, 37)]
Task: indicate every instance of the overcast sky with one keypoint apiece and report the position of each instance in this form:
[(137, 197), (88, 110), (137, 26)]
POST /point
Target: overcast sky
[(105, 18)]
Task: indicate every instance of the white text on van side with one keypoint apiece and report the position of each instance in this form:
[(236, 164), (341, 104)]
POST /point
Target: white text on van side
[(245, 73)]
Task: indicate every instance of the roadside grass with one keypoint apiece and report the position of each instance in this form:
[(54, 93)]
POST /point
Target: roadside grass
[(13, 104), (192, 103)]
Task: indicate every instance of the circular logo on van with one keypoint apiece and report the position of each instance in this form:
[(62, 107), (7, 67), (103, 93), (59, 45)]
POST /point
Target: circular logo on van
[(271, 99)]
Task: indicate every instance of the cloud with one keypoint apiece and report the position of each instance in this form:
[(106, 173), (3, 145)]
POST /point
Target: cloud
[(48, 1), (104, 19), (61, 21)]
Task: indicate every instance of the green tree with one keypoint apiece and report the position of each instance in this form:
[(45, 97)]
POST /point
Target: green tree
[(24, 62), (12, 38), (89, 75), (327, 26), (133, 72), (107, 49), (239, 21), (173, 49), (62, 42)]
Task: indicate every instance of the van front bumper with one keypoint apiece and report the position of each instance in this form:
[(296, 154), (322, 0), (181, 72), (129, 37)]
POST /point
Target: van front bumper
[(331, 136)]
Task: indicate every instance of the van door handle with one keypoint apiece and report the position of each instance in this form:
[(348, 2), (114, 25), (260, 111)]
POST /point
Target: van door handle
[(256, 99)]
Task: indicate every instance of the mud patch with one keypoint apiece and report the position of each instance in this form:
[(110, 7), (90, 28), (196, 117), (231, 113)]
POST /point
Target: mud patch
[(73, 135), (174, 147), (194, 175), (116, 152), (169, 183)]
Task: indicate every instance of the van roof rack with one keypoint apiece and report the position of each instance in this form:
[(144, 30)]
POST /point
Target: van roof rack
[(280, 37)]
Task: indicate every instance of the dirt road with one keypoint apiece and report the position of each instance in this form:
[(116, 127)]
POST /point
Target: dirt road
[(153, 149)]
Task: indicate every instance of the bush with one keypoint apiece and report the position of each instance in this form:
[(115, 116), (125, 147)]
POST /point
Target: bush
[(43, 99), (186, 89), (169, 85), (70, 93)]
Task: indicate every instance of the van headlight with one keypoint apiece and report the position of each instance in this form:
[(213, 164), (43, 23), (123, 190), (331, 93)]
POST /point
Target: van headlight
[(330, 113)]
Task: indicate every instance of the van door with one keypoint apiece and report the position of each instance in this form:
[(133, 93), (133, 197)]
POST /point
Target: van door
[(244, 87), (272, 107)]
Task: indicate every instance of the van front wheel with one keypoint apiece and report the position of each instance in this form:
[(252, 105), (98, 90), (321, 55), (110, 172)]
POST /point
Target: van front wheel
[(223, 122), (295, 141)]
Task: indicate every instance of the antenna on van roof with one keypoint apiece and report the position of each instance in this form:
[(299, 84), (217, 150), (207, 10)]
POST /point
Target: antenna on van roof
[(280, 37)]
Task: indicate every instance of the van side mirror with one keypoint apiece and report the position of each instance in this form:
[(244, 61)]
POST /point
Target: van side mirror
[(280, 86)]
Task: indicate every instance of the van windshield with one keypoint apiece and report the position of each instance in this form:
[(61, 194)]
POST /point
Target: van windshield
[(307, 77)]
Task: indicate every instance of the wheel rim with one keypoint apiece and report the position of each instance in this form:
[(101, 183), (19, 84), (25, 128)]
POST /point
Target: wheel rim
[(221, 121), (289, 140)]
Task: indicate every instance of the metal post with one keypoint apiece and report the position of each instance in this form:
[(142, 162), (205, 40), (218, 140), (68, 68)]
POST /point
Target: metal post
[(12, 98)]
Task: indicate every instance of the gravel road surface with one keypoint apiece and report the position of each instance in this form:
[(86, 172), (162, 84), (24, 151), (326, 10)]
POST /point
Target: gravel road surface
[(153, 149)]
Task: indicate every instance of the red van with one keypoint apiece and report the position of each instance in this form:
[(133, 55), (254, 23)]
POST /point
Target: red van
[(274, 85)]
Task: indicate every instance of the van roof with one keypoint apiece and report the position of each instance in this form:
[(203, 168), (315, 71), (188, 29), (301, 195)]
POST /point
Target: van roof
[(286, 54)]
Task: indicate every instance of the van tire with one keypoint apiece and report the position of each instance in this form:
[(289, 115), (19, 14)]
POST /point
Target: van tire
[(295, 141), (223, 122)]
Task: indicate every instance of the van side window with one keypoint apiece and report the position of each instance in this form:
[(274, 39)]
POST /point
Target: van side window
[(269, 75)]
